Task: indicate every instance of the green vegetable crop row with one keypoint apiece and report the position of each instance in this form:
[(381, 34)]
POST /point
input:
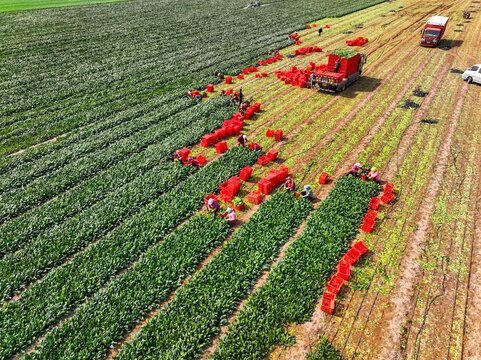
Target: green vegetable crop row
[(53, 247), (297, 281), (63, 289), (189, 322), (116, 309), (182, 129)]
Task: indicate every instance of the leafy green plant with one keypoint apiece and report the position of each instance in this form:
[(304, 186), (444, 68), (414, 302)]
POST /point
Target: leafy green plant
[(189, 322), (324, 351), (64, 288), (291, 290), (237, 201)]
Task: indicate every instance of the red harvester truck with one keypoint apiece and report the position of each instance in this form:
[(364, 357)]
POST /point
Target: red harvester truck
[(343, 68), (434, 31)]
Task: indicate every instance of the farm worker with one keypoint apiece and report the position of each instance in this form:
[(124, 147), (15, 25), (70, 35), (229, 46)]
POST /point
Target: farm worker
[(276, 52), (244, 106), (312, 78), (320, 31), (220, 76), (198, 97), (337, 66), (241, 96), (289, 184), (231, 216), (354, 170), (257, 147), (307, 192), (189, 93), (241, 140), (213, 205), (177, 157), (374, 174), (193, 161)]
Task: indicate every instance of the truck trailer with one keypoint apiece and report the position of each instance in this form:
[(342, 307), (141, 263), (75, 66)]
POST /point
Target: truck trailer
[(343, 68), (434, 30)]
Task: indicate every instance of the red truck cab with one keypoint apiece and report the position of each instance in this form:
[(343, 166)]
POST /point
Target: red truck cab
[(434, 31)]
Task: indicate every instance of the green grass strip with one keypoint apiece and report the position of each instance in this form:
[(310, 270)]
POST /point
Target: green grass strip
[(324, 351), (190, 321), (63, 289), (117, 309), (297, 281)]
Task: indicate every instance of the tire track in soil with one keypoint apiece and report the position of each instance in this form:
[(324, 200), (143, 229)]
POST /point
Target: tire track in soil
[(402, 298), (304, 340)]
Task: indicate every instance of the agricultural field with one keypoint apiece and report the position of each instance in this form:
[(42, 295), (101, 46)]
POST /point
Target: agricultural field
[(106, 248)]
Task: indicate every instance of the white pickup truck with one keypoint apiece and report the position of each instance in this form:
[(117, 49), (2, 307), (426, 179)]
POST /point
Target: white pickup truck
[(473, 74)]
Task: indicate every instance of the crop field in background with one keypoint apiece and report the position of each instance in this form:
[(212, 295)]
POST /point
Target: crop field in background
[(16, 5), (105, 251)]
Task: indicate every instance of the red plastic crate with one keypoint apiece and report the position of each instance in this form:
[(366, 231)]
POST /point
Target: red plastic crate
[(184, 153), (335, 284), (257, 106), (369, 222), (323, 178), (374, 203), (239, 207), (328, 295), (228, 80), (233, 185), (371, 214), (240, 76), (388, 188), (285, 171), (210, 88), (351, 256), (246, 173), (327, 305), (278, 135), (361, 247), (220, 133), (201, 159), (265, 186), (221, 147), (225, 195), (367, 228), (262, 160), (236, 129), (254, 197), (248, 114), (387, 198), (272, 154), (343, 270), (270, 133)]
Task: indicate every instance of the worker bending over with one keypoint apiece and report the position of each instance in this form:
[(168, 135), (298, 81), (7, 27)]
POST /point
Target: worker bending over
[(241, 140), (193, 161), (354, 170), (177, 157), (213, 205), (256, 147), (373, 174), (307, 192), (231, 216), (289, 185)]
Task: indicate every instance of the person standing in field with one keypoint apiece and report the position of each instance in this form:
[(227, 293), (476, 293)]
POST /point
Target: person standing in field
[(241, 96), (320, 31)]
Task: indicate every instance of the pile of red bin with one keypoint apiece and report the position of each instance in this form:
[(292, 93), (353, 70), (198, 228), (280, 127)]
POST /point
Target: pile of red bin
[(270, 60), (299, 77), (270, 156), (388, 193), (248, 70), (307, 50), (343, 273), (274, 178), (229, 188), (357, 42), (263, 74), (194, 93), (277, 134)]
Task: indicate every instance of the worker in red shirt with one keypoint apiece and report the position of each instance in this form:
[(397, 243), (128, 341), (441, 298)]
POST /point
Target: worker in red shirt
[(241, 140), (193, 161), (231, 216), (257, 147), (289, 185), (373, 174)]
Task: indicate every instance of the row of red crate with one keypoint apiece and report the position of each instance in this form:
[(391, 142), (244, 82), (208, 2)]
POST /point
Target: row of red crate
[(277, 134), (343, 273)]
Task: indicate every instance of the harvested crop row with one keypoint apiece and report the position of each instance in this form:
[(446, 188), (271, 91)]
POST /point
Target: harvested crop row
[(63, 289), (201, 306), (166, 137), (295, 283)]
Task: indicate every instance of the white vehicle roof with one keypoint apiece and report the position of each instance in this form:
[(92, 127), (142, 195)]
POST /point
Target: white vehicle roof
[(478, 65), (438, 20)]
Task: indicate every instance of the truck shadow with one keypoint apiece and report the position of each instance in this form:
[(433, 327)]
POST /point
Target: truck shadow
[(451, 43), (364, 84)]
